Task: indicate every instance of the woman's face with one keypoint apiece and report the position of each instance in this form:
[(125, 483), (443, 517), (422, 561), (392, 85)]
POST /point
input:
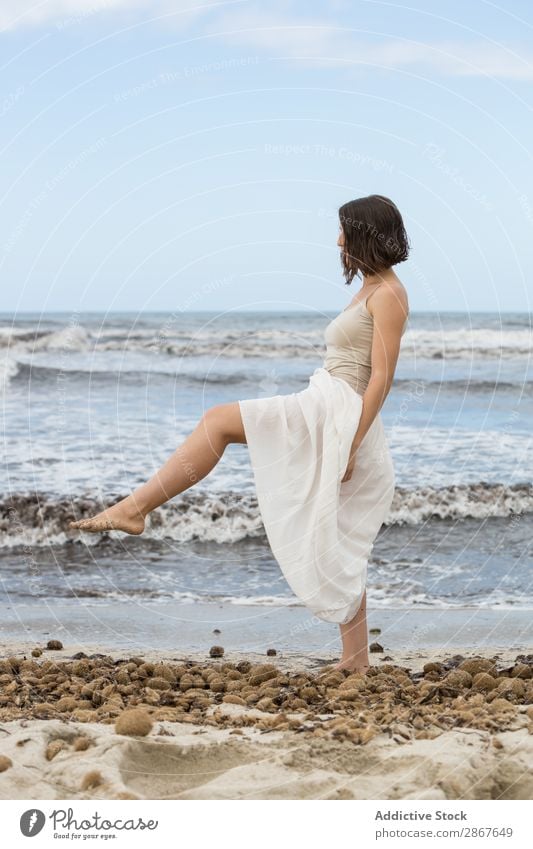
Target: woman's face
[(340, 240)]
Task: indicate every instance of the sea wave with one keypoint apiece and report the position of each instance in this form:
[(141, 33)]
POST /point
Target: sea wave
[(150, 599), (41, 374), (272, 342), (9, 368), (23, 372), (42, 520), (133, 352)]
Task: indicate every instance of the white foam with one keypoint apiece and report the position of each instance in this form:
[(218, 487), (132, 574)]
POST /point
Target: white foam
[(228, 517), (8, 369), (213, 341)]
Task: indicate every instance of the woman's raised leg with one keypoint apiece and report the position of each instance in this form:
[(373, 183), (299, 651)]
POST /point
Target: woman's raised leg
[(192, 461)]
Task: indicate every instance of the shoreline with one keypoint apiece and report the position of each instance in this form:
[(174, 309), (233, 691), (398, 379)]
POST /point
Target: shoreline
[(287, 661), (185, 628)]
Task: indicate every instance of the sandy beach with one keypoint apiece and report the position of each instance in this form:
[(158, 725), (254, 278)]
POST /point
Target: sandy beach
[(266, 274), (439, 725)]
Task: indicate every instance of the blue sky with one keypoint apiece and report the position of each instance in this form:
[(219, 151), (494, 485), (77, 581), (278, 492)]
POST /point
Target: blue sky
[(177, 155)]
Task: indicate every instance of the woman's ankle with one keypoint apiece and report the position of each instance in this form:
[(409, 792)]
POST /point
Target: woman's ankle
[(357, 655), (134, 509), (357, 659)]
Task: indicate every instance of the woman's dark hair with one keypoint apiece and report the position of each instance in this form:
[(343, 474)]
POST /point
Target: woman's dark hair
[(374, 236)]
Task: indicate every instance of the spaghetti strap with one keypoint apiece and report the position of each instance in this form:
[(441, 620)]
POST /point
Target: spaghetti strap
[(371, 293)]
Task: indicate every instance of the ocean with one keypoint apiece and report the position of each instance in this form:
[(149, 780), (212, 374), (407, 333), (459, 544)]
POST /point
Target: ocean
[(92, 404)]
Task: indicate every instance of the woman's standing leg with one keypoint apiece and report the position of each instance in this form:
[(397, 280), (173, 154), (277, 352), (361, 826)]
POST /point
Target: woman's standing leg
[(354, 637), (364, 505), (191, 462)]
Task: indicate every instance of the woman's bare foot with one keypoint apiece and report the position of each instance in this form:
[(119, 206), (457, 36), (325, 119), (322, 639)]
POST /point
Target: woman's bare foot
[(351, 666), (123, 516)]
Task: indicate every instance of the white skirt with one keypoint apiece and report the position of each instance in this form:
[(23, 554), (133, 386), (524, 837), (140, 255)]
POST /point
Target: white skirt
[(321, 531)]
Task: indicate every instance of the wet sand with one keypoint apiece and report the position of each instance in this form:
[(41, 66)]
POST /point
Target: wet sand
[(247, 628), (420, 725)]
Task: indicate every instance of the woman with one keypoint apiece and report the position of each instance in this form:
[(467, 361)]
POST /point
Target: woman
[(322, 465)]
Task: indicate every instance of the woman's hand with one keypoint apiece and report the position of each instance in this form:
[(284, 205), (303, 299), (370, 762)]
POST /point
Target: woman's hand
[(349, 469)]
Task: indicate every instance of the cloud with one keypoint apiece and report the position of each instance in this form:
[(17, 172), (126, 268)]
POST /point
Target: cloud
[(15, 14), (311, 42), (320, 43)]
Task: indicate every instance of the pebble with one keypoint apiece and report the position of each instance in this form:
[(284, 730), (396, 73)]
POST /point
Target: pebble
[(260, 674), (134, 723), (231, 699), (67, 703), (522, 670), (5, 763), (54, 748), (432, 667), (484, 681), (133, 693), (54, 645), (160, 684), (458, 678), (334, 679), (514, 686), (91, 780), (81, 744), (477, 664), (162, 670), (216, 651), (81, 715), (501, 705)]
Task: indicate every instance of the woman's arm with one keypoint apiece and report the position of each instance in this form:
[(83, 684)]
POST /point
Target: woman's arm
[(390, 309)]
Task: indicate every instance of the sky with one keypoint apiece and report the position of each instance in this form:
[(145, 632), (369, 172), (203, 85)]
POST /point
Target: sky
[(160, 155)]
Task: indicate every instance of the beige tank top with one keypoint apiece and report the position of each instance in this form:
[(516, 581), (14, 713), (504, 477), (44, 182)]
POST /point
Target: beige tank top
[(349, 345)]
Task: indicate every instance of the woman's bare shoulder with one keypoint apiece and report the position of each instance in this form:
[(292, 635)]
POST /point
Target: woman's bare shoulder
[(390, 296)]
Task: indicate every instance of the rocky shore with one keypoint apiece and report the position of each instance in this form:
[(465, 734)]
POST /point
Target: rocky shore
[(329, 733)]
